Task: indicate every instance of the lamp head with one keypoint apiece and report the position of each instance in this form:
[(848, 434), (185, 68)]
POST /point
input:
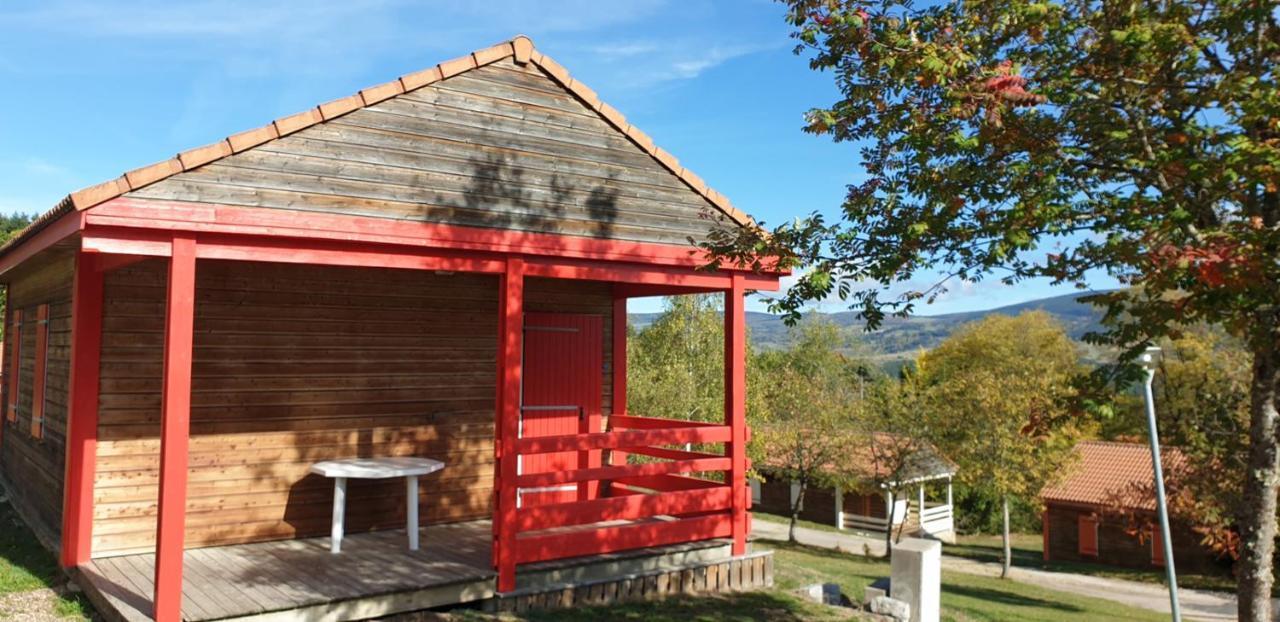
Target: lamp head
[(1150, 358)]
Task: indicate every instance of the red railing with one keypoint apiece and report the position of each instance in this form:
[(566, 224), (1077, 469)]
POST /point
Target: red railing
[(649, 504)]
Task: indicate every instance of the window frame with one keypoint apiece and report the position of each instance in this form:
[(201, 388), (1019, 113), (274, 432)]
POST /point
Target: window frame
[(15, 366), (40, 375)]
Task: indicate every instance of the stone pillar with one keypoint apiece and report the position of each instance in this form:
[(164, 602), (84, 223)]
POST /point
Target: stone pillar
[(916, 577)]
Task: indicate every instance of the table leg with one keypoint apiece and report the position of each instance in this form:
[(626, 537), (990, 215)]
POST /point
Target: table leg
[(339, 513), (411, 510)]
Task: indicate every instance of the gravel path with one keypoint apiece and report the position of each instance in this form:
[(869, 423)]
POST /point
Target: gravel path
[(1196, 604)]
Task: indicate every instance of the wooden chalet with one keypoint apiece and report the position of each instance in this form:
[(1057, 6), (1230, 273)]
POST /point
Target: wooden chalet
[(1103, 510), (437, 267), (916, 487)]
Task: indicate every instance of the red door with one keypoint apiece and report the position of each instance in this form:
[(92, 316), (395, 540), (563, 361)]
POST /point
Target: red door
[(563, 367)]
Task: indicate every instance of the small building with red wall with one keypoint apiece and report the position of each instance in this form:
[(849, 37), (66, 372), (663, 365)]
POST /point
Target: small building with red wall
[(1103, 510)]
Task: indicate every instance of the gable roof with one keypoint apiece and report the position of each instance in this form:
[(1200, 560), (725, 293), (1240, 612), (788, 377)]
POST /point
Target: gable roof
[(520, 49), (1114, 474)]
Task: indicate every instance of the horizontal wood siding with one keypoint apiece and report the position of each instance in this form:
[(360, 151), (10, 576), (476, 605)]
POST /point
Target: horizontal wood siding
[(502, 146), (295, 364), (34, 467), (1117, 546)]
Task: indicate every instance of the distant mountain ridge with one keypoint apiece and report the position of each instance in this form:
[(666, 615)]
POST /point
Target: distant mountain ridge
[(901, 338)]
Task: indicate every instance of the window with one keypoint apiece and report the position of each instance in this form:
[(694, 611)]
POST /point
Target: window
[(15, 358), (1088, 528), (1157, 546), (41, 371)]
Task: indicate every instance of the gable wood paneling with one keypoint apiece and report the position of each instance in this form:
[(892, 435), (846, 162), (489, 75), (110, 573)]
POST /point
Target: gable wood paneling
[(34, 467), (295, 364), (502, 146)]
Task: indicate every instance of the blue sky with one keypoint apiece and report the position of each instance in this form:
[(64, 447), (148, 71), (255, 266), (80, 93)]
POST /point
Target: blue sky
[(94, 88)]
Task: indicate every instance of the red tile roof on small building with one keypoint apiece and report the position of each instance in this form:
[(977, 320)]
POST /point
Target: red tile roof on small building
[(1111, 474), (520, 48)]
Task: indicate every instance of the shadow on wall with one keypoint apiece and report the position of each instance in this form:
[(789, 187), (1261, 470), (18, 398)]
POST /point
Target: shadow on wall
[(502, 195)]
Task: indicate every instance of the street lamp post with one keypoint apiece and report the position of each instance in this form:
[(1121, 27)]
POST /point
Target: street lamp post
[(1149, 358)]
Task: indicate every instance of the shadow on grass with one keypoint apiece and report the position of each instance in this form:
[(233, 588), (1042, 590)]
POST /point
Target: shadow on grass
[(771, 606), (1006, 598), (24, 564)]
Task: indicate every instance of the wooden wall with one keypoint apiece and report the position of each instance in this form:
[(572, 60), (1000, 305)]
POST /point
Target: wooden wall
[(1116, 546), (502, 146), (295, 364), (32, 467)]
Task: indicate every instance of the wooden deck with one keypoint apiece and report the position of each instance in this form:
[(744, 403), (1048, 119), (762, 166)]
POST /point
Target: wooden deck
[(375, 574)]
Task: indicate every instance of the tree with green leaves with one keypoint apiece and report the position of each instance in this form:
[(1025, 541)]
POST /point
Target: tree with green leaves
[(1202, 397), (675, 366), (1059, 139), (998, 401), (10, 225), (810, 400)]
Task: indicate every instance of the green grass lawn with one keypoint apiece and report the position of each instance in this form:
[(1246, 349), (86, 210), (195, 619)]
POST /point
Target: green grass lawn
[(964, 597), (1028, 552), (27, 566)]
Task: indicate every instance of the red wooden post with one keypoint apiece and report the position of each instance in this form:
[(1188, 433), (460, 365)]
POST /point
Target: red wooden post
[(620, 356), (735, 405), (175, 427), (510, 338), (82, 420), (619, 369)]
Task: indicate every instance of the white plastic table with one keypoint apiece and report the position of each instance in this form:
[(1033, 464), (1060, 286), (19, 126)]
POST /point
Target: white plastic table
[(375, 468)]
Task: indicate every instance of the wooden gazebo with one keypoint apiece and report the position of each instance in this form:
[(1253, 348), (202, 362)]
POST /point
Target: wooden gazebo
[(185, 340)]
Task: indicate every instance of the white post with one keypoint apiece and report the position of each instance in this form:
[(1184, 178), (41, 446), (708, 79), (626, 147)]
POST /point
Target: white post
[(839, 508), (916, 577), (948, 492), (411, 510), (339, 514), (920, 500), (890, 512)]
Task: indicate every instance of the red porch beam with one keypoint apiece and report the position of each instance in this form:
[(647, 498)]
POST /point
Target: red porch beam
[(175, 428), (630, 507), (735, 405), (82, 420), (630, 422), (552, 478), (641, 274), (162, 215), (623, 439), (510, 341)]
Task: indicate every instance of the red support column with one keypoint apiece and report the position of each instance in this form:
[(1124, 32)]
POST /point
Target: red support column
[(620, 356), (82, 424), (735, 405), (510, 338), (619, 380), (175, 427)]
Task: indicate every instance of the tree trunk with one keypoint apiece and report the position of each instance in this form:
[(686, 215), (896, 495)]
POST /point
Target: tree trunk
[(795, 513), (1258, 516), (1008, 554), (888, 528)]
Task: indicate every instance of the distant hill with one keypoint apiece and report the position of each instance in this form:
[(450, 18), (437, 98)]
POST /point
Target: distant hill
[(900, 338)]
